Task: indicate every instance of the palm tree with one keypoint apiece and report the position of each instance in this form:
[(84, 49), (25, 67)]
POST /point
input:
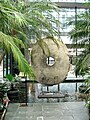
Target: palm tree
[(80, 34), (19, 20)]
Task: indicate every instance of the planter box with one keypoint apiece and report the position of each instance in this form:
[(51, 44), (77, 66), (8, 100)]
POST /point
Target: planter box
[(13, 95)]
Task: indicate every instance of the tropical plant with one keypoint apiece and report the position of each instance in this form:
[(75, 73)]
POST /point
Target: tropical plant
[(80, 35), (19, 21), (12, 81), (3, 88)]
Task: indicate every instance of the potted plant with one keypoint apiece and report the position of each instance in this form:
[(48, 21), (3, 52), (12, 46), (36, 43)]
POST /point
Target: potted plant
[(3, 91), (13, 82), (3, 88)]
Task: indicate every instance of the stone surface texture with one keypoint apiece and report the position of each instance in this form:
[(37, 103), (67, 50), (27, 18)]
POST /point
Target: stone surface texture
[(56, 73), (48, 111)]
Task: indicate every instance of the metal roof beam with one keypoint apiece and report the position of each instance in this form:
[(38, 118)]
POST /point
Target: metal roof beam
[(72, 5)]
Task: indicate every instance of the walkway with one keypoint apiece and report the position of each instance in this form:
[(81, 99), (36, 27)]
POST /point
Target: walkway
[(48, 111)]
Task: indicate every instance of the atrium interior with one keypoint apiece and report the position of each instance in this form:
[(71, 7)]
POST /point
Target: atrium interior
[(58, 100)]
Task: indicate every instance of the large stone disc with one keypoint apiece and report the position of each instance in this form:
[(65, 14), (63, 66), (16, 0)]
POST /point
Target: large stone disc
[(50, 64)]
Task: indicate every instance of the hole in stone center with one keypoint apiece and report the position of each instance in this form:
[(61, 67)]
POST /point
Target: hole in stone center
[(50, 61)]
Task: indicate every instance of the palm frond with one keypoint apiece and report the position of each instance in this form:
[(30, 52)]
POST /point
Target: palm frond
[(9, 43), (19, 20), (80, 34)]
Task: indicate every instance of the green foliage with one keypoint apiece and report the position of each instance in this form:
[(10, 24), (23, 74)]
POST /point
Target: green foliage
[(80, 34), (81, 28), (9, 77), (83, 63), (3, 88), (12, 82), (87, 82), (19, 21), (2, 107)]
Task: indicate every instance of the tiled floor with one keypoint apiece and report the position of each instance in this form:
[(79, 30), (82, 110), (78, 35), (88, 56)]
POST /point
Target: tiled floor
[(48, 111)]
